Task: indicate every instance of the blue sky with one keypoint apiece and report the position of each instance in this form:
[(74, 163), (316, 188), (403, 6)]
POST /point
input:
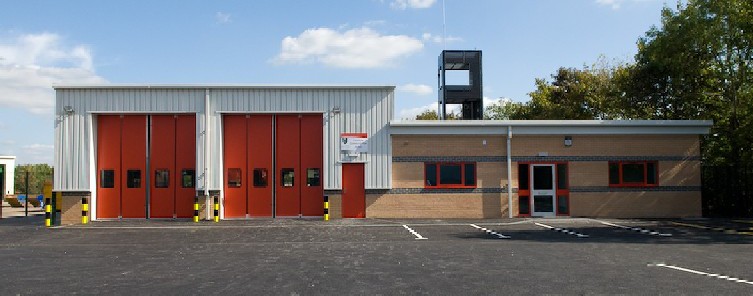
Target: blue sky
[(392, 42)]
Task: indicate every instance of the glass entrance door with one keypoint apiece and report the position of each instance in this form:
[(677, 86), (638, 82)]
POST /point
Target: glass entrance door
[(543, 191)]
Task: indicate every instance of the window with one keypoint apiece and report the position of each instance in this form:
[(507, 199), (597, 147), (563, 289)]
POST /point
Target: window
[(161, 178), (188, 178), (107, 179), (563, 205), (260, 177), (561, 176), (312, 177), (523, 176), (430, 171), (450, 175), (234, 177), (632, 174), (133, 179), (288, 177), (524, 205)]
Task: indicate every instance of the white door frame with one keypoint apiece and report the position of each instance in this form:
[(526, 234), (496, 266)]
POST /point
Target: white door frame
[(542, 193)]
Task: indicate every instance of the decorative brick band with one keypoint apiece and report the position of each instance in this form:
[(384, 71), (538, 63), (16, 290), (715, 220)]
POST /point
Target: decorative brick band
[(603, 158), (424, 191), (448, 159), (635, 189), (368, 191), (537, 158)]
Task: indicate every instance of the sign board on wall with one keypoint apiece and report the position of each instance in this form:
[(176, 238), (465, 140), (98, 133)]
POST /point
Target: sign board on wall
[(354, 143)]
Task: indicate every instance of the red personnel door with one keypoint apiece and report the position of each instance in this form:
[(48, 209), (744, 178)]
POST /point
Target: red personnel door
[(108, 166), (288, 175), (235, 131), (133, 162), (260, 203), (354, 192)]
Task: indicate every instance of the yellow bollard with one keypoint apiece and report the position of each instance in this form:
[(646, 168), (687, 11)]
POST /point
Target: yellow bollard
[(84, 210), (326, 208), (216, 209), (47, 210), (196, 209)]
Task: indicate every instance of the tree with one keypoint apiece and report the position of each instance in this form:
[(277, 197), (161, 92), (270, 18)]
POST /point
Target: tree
[(588, 93), (698, 65), (504, 110), (432, 115), (38, 174)]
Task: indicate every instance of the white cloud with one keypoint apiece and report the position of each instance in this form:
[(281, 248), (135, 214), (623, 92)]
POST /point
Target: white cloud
[(355, 48), (616, 4), (31, 64), (404, 4), (439, 39), (38, 153), (418, 89), (222, 18)]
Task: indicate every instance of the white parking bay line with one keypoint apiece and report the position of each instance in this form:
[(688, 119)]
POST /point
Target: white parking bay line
[(721, 277), (489, 231), (418, 236), (636, 229), (563, 230)]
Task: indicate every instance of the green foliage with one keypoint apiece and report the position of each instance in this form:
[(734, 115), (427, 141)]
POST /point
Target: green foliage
[(38, 174), (432, 115), (588, 93), (698, 65), (504, 110)]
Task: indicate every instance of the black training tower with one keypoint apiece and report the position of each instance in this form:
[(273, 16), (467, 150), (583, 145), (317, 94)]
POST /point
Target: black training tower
[(471, 95)]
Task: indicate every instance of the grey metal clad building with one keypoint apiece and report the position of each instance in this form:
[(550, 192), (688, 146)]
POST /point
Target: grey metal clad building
[(80, 110)]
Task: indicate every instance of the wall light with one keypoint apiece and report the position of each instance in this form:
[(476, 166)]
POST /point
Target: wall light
[(335, 110), (568, 141), (68, 110)]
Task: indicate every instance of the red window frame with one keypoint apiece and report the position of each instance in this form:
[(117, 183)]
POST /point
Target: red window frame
[(438, 165), (557, 192), (634, 184)]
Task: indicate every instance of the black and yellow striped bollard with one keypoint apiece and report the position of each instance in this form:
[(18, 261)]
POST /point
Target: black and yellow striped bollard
[(216, 209), (84, 210), (196, 209), (326, 208), (47, 212)]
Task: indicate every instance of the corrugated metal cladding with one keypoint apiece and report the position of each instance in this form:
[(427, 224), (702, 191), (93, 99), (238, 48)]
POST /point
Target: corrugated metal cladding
[(362, 110)]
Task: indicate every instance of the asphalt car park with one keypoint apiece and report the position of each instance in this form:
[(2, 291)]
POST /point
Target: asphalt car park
[(373, 256)]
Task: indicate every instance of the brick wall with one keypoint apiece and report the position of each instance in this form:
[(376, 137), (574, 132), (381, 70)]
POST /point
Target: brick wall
[(70, 208), (588, 158), (441, 145), (437, 206), (636, 204), (615, 145)]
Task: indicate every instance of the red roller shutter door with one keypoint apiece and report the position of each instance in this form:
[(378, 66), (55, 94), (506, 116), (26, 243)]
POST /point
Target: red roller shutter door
[(185, 165), (288, 175), (162, 166), (260, 203), (108, 166), (235, 135), (133, 158), (311, 148)]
